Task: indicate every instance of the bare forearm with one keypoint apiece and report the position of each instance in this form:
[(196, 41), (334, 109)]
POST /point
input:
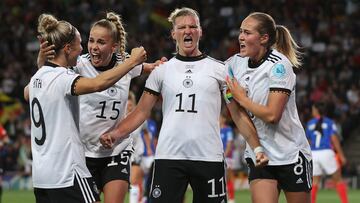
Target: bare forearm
[(244, 124), (130, 123), (108, 78)]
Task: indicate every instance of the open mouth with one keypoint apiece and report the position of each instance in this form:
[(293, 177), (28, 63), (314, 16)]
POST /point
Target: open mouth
[(242, 46), (95, 58), (188, 40)]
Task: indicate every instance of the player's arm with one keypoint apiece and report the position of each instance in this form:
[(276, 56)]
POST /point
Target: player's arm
[(247, 130), (337, 147), (26, 92), (148, 67), (132, 121), (109, 77), (269, 113)]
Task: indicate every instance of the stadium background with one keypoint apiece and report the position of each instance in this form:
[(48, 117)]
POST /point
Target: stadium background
[(327, 30)]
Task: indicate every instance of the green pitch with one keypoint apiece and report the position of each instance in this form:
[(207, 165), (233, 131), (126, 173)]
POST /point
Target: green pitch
[(324, 196)]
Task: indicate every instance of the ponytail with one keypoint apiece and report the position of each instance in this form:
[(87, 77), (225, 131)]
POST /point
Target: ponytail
[(286, 45)]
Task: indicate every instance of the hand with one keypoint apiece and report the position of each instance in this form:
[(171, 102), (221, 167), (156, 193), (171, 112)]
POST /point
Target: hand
[(261, 159), (46, 52), (238, 92), (148, 67), (138, 55), (106, 140)]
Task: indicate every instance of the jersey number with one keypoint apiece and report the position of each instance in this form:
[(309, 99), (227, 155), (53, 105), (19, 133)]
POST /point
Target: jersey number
[(114, 108), (318, 136), (40, 122), (213, 191), (180, 109)]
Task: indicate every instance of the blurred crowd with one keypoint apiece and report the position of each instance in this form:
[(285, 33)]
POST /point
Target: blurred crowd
[(328, 32)]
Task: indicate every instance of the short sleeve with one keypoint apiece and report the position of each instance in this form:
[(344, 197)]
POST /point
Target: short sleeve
[(136, 71), (68, 81), (282, 77), (154, 82)]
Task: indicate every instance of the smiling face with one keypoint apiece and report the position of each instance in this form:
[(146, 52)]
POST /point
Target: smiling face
[(101, 46), (187, 33), (252, 43)]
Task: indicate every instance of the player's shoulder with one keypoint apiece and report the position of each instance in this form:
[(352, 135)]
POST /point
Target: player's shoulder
[(277, 57), (215, 61), (234, 58)]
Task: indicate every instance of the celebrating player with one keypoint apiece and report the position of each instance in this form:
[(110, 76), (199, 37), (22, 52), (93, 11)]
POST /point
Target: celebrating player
[(262, 81)]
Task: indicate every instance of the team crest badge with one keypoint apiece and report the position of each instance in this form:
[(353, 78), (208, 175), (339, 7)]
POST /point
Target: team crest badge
[(112, 91), (188, 83)]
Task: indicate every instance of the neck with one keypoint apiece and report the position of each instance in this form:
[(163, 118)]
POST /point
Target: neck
[(60, 60), (260, 55), (195, 52)]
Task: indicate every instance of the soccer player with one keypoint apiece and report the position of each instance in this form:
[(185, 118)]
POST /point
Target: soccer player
[(101, 111), (227, 138), (261, 79), (189, 149), (322, 135), (137, 172), (59, 168)]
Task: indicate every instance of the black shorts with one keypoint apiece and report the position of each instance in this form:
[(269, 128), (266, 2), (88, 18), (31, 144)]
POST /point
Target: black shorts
[(84, 190), (107, 169), (295, 177), (171, 178)]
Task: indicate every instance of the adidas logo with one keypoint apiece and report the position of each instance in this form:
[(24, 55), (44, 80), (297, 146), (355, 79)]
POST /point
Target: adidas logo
[(124, 171), (188, 71), (299, 181)]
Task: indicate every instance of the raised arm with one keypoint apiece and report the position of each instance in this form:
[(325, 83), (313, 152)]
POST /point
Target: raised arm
[(109, 77), (132, 121), (148, 67)]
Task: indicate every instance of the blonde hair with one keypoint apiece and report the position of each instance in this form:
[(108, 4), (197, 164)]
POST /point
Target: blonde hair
[(279, 37), (58, 33), (184, 11), (114, 24)]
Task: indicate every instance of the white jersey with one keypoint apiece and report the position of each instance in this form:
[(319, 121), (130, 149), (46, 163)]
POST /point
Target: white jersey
[(101, 111), (282, 141), (56, 147), (191, 101)]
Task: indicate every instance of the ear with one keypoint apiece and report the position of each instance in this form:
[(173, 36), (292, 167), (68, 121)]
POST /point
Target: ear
[(67, 48), (115, 47), (264, 39), (173, 34)]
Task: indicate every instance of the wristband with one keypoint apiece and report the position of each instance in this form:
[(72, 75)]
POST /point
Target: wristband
[(227, 96), (259, 149)]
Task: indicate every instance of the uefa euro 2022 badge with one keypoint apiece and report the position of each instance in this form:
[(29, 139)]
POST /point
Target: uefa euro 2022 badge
[(279, 71)]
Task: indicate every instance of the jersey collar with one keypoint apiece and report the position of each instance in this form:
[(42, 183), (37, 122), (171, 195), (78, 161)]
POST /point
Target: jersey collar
[(190, 58), (255, 65), (48, 63)]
